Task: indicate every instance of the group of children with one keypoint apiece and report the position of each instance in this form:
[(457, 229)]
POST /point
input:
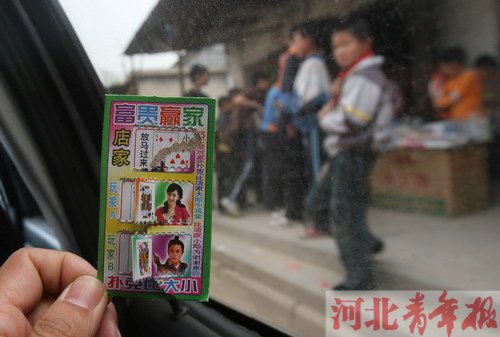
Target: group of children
[(350, 117), (353, 114), (456, 92), (469, 94)]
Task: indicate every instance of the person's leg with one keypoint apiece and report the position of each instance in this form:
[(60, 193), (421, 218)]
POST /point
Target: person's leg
[(226, 175), (272, 162), (317, 203), (494, 156), (294, 197), (230, 203), (306, 155), (221, 176), (248, 164), (293, 178), (367, 163), (348, 206), (315, 151)]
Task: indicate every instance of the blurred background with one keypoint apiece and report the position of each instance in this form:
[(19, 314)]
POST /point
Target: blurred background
[(434, 190)]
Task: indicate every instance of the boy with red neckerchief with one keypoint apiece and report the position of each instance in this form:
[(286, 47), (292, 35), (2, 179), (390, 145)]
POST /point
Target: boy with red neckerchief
[(355, 121)]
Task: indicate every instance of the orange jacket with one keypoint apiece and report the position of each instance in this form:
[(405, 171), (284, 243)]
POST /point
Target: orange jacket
[(462, 96)]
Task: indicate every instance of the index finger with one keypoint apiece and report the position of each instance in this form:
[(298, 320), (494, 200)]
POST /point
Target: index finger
[(30, 273)]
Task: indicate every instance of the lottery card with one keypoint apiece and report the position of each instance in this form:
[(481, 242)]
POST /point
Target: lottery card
[(156, 187)]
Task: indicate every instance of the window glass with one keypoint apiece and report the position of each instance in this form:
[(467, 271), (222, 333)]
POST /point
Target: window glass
[(357, 141)]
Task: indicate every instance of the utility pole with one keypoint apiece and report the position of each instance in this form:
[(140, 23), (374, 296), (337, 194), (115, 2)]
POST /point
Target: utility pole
[(180, 64)]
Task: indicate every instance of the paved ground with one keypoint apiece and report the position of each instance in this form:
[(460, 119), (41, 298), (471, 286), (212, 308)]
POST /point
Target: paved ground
[(274, 273)]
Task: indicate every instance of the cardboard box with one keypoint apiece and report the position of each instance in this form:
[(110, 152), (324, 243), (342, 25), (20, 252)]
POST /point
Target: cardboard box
[(447, 182)]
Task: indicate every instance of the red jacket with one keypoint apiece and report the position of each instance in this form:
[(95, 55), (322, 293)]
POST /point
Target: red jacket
[(182, 216)]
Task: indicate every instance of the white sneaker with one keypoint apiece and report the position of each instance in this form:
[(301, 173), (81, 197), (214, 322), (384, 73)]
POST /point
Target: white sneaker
[(282, 221), (278, 214), (230, 206)]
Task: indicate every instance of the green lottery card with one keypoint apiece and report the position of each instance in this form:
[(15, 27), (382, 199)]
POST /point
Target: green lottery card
[(156, 188)]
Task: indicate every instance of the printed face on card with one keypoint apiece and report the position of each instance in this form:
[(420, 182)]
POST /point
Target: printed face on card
[(171, 255)]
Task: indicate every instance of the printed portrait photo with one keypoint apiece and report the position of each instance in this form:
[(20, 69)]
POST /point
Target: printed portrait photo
[(171, 255), (174, 203)]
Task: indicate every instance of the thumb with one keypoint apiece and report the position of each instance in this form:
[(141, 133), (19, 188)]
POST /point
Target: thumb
[(77, 312)]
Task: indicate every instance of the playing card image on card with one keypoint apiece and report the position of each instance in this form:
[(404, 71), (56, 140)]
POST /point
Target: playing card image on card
[(164, 150), (164, 140), (142, 257), (174, 150), (156, 188), (145, 201)]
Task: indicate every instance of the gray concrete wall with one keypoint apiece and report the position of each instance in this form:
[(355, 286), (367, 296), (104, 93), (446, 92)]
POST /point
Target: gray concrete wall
[(269, 34), (475, 25), (319, 9), (169, 85)]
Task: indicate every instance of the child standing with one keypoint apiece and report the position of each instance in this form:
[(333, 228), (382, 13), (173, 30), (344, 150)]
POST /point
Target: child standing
[(247, 110), (227, 128), (278, 157), (354, 120), (311, 86), (459, 93), (487, 68), (199, 76)]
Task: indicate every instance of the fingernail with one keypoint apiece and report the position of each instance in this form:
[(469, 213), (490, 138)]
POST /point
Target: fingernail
[(85, 292)]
